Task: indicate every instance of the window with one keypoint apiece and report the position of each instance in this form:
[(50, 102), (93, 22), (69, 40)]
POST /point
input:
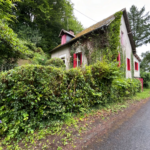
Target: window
[(63, 57), (77, 60), (122, 38), (119, 60), (136, 66), (128, 64)]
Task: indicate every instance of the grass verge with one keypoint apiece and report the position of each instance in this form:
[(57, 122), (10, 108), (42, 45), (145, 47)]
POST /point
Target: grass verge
[(61, 134)]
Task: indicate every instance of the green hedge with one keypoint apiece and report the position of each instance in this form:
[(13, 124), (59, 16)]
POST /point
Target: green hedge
[(146, 79), (123, 88), (33, 95), (55, 62)]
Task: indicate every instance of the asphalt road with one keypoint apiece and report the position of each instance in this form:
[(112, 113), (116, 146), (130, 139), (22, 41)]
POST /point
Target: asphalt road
[(133, 134)]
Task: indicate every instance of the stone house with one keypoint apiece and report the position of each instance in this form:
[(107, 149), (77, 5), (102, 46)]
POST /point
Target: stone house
[(79, 57)]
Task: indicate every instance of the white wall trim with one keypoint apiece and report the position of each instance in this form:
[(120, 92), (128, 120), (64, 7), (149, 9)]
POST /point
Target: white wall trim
[(62, 57)]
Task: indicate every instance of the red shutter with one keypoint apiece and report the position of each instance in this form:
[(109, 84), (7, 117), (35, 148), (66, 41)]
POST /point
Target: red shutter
[(136, 66), (74, 60), (119, 60), (80, 58), (128, 64)]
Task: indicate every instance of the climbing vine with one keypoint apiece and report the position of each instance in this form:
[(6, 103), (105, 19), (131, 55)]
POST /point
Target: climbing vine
[(123, 63), (114, 35), (132, 65), (104, 44)]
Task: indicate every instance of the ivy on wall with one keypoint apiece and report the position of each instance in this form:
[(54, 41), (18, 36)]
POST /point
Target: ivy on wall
[(132, 65), (123, 63), (104, 44), (114, 35)]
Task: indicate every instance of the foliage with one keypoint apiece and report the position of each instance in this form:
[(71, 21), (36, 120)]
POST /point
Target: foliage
[(104, 44), (47, 17), (100, 77), (125, 88), (55, 62), (132, 66), (39, 59), (146, 79), (6, 9), (143, 95), (32, 96), (144, 66), (11, 47), (28, 34), (123, 63), (114, 35), (139, 22)]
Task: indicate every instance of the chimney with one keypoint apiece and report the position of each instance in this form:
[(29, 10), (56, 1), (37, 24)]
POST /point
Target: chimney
[(70, 31)]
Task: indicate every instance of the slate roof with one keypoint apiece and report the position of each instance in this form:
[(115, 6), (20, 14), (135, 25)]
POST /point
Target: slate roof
[(137, 57), (99, 25), (64, 31)]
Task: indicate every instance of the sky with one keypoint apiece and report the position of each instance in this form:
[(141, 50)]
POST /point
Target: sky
[(101, 9)]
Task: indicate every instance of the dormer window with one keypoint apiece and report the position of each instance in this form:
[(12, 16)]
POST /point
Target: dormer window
[(66, 36)]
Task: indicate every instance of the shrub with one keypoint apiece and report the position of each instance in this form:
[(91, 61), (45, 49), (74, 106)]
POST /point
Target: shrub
[(30, 95), (100, 77), (80, 94), (34, 95), (39, 59), (56, 62), (123, 88), (146, 79)]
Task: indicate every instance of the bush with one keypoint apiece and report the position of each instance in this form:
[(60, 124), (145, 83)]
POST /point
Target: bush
[(79, 93), (55, 62), (146, 79), (123, 88), (39, 59), (32, 95)]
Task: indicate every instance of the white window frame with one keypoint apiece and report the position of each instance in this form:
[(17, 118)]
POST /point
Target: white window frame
[(62, 57)]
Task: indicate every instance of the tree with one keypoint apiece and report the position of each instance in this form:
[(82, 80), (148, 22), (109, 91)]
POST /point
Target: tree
[(145, 64), (5, 9), (140, 25), (48, 17), (11, 48), (28, 34)]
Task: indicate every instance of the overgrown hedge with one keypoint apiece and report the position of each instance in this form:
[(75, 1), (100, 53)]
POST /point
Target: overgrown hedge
[(33, 95), (55, 62), (146, 79)]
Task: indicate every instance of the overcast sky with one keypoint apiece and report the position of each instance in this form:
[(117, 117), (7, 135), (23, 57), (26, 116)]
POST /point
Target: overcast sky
[(100, 9)]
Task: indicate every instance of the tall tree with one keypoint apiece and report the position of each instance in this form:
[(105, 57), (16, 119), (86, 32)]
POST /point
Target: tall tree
[(48, 17), (140, 25), (11, 48), (145, 64), (5, 9)]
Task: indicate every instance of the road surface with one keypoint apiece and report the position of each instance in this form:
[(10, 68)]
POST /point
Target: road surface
[(133, 134)]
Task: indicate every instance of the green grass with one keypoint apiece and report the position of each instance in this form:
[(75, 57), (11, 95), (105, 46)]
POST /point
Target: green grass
[(142, 95)]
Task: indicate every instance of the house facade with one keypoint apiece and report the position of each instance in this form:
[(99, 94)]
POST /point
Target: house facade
[(79, 56)]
